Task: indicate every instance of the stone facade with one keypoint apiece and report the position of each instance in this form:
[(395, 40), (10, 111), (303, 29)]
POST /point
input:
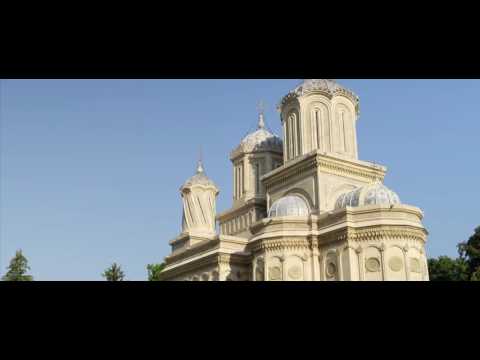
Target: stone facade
[(305, 208)]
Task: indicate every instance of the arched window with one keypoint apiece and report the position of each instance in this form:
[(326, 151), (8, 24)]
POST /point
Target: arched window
[(257, 178)]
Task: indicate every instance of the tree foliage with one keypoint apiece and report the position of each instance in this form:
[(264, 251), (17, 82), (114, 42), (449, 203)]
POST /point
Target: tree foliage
[(445, 268), (17, 270), (464, 268), (154, 271), (114, 273), (470, 252)]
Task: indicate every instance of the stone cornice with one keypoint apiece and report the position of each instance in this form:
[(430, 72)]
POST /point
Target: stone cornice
[(280, 243), (328, 93), (242, 209), (386, 232), (326, 163), (200, 262), (241, 151), (292, 169), (193, 236), (341, 166), (205, 246), (192, 250)]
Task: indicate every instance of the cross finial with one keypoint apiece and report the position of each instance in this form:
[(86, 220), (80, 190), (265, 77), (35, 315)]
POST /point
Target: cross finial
[(261, 106), (261, 109), (200, 163)]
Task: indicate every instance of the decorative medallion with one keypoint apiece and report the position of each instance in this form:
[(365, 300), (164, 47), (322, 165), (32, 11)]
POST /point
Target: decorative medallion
[(372, 264), (415, 265), (331, 269), (274, 273), (395, 263), (295, 272)]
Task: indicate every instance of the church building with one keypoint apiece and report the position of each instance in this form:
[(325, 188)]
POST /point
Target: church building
[(305, 208)]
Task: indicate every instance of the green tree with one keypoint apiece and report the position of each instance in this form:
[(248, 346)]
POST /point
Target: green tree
[(470, 252), (17, 270), (114, 273), (445, 268), (154, 271)]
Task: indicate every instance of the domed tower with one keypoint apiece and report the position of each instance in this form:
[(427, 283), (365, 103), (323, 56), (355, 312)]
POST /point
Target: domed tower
[(320, 150), (320, 115), (199, 204), (257, 154)]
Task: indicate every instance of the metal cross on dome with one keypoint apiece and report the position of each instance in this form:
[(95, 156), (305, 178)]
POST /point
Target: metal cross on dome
[(261, 110), (261, 106)]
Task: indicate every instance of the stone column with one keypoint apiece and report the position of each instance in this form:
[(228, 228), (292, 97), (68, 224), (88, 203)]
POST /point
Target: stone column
[(407, 264), (315, 262), (382, 257), (339, 265), (361, 267)]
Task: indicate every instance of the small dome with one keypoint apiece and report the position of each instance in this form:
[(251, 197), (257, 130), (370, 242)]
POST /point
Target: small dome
[(199, 179), (371, 194), (290, 205), (259, 140)]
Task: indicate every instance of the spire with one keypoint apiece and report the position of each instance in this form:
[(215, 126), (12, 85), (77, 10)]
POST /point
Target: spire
[(261, 116)]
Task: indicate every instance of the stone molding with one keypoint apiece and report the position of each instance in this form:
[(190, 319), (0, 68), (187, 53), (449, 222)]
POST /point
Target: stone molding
[(325, 162), (328, 92)]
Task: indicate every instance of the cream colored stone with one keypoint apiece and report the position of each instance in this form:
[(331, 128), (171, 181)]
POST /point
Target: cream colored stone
[(342, 238)]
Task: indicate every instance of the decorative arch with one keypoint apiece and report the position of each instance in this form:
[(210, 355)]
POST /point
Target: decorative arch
[(319, 115), (292, 134), (372, 265), (343, 129), (301, 194)]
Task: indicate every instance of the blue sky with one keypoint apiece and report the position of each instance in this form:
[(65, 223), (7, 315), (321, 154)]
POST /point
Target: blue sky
[(90, 169)]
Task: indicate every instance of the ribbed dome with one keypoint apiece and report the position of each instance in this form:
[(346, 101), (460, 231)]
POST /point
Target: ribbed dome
[(372, 194), (199, 179), (327, 86), (259, 140), (318, 84), (290, 205)]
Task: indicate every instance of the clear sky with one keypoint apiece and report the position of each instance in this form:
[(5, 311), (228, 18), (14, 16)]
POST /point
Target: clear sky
[(90, 169)]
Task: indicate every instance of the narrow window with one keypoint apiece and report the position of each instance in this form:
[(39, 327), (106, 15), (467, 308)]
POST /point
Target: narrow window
[(257, 178)]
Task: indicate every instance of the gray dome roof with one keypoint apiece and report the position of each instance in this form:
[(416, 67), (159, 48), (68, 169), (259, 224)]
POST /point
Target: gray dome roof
[(290, 205), (259, 140), (371, 194), (199, 179)]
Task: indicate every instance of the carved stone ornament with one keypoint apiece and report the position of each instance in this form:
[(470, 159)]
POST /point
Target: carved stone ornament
[(274, 273), (415, 265), (395, 264), (372, 264), (295, 272), (331, 269)]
